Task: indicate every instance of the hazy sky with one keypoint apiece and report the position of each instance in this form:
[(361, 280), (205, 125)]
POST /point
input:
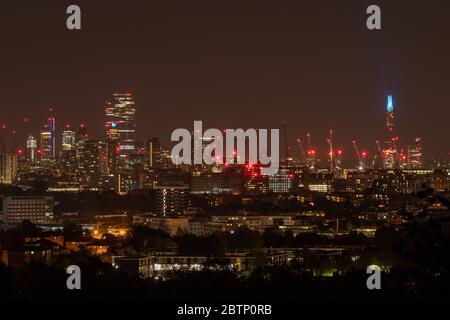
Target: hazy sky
[(231, 63)]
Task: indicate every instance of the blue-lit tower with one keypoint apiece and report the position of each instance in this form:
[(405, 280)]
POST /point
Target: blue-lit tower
[(390, 117), (52, 126), (390, 151)]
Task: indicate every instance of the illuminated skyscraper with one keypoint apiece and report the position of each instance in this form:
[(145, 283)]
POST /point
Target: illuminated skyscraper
[(153, 152), (199, 143), (52, 126), (120, 123), (415, 154), (82, 133), (45, 143), (390, 150), (68, 155), (68, 139), (31, 148), (111, 156), (48, 134), (89, 162), (81, 139), (390, 115)]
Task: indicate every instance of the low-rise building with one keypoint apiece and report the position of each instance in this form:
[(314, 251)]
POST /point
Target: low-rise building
[(37, 209), (135, 266)]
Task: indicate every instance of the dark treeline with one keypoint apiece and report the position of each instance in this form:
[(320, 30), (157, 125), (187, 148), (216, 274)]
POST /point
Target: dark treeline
[(144, 240), (416, 264)]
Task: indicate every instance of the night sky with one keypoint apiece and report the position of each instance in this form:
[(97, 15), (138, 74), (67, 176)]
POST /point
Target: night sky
[(232, 64)]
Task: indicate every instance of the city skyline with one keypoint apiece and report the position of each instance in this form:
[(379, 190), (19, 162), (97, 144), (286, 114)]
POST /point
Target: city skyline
[(244, 72), (197, 154), (120, 129)]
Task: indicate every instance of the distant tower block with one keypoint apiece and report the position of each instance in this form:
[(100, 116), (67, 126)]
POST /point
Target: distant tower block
[(415, 154)]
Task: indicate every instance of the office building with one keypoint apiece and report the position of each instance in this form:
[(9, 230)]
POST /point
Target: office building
[(120, 124), (415, 154), (8, 168), (31, 152), (37, 209), (68, 139), (153, 153), (171, 200)]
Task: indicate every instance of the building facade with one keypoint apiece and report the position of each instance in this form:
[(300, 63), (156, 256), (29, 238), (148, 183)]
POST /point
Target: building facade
[(37, 209), (8, 168), (120, 124)]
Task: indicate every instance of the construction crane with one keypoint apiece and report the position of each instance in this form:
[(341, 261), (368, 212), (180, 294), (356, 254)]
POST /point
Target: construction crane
[(397, 153), (330, 143), (378, 154), (360, 155), (338, 161), (311, 158), (301, 149), (308, 137), (364, 157)]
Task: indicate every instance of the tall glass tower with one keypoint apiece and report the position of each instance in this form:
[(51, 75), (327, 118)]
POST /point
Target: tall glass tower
[(120, 123), (45, 144), (31, 148)]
